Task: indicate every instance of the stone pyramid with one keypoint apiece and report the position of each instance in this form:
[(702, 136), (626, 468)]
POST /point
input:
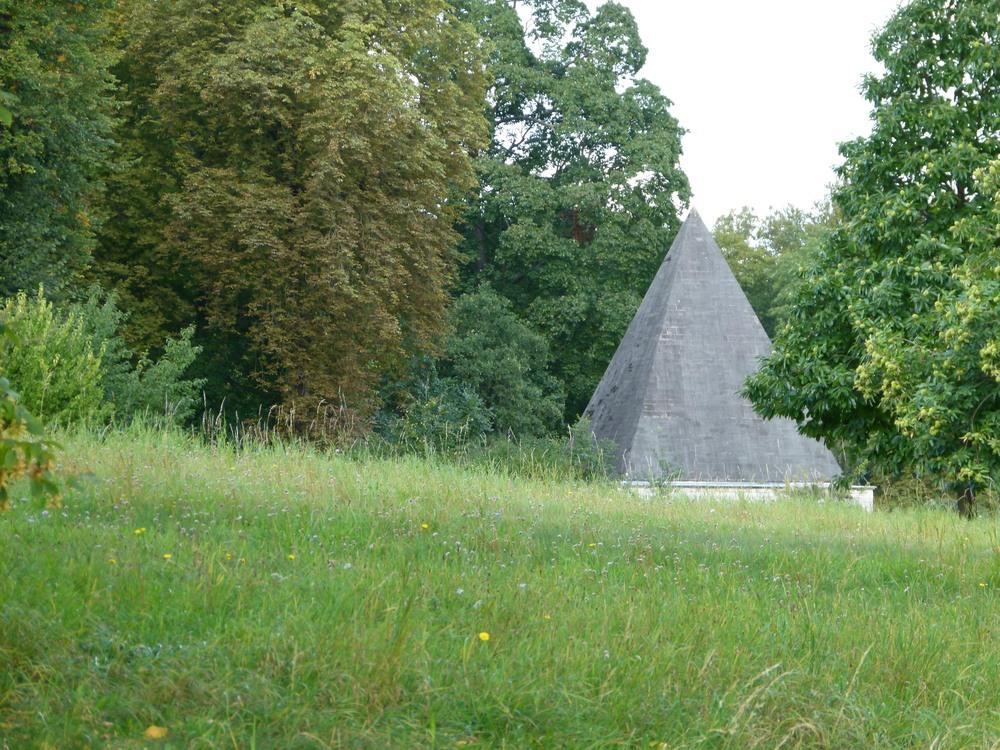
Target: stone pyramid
[(670, 398)]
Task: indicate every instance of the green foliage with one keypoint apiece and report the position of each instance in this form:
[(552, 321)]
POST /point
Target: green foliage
[(55, 138), (495, 354), (295, 175), (890, 348), (136, 384), (767, 253), (24, 449), (6, 116), (72, 365), (938, 376), (439, 414), (597, 457), (580, 187), (491, 378), (52, 358), (577, 456)]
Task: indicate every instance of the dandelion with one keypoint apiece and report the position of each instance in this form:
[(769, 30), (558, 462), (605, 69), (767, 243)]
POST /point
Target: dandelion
[(484, 636), (167, 556), (425, 526), (154, 732), (140, 531)]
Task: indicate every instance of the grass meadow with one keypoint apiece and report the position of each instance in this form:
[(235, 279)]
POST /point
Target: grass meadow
[(197, 596)]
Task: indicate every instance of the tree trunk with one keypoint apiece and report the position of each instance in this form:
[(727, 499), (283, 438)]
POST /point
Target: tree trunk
[(967, 502)]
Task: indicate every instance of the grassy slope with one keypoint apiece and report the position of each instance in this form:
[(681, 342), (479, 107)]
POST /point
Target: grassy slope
[(305, 605)]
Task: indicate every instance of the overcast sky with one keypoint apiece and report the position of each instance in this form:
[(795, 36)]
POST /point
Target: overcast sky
[(765, 88)]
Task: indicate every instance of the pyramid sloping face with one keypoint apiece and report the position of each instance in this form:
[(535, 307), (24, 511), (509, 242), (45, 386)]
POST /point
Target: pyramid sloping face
[(670, 397)]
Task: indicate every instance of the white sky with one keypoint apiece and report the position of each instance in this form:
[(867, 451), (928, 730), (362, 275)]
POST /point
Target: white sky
[(766, 90)]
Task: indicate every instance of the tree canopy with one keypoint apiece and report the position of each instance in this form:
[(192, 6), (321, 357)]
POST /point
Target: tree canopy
[(580, 188), (505, 362), (55, 139), (889, 350), (295, 175)]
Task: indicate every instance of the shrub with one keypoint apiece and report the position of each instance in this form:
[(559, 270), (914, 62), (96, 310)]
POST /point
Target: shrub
[(578, 456), (24, 450), (140, 385), (490, 379), (440, 414), (495, 354), (594, 458), (72, 365), (52, 359)]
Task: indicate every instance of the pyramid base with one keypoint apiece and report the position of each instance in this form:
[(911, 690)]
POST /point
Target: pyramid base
[(860, 495)]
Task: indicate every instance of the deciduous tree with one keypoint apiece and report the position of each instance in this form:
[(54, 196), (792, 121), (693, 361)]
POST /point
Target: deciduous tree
[(297, 171), (580, 187), (505, 362), (891, 347), (55, 138)]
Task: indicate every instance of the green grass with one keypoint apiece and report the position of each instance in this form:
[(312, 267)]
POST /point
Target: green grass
[(305, 605)]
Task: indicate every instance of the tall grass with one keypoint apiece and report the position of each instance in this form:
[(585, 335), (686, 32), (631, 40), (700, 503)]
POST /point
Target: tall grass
[(274, 596)]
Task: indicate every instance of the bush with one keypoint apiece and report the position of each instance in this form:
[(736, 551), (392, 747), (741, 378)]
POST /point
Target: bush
[(24, 449), (72, 365), (575, 457), (490, 379), (440, 414), (450, 423), (501, 359), (139, 385), (595, 458), (51, 358)]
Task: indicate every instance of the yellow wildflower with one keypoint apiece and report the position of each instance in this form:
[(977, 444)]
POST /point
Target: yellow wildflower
[(140, 531), (484, 636), (291, 557), (154, 732), (167, 556), (425, 526)]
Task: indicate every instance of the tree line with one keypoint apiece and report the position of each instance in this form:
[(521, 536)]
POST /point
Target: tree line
[(444, 213), (338, 197)]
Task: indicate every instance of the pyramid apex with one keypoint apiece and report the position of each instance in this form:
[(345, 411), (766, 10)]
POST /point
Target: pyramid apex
[(694, 217)]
